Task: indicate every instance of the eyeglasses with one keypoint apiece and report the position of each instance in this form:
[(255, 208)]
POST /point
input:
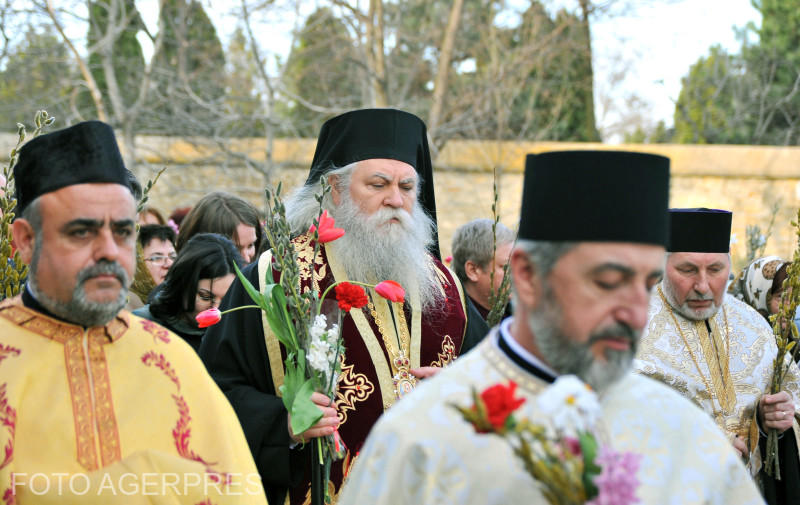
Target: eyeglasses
[(160, 259)]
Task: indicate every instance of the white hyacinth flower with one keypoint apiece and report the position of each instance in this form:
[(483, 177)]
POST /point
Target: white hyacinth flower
[(318, 328), (318, 355), (570, 404)]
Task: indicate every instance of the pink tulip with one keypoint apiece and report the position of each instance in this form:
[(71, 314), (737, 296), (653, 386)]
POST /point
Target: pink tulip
[(327, 232), (391, 290), (208, 317)]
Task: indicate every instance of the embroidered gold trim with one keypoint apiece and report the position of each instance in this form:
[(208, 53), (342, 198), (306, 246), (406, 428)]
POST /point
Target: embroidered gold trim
[(721, 385), (507, 368), (352, 388), (447, 354), (382, 369), (108, 432), (273, 344), (84, 419)]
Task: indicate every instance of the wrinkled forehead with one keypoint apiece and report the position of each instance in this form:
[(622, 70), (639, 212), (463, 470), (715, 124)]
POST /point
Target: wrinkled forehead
[(632, 256), (386, 168), (91, 201), (698, 259)]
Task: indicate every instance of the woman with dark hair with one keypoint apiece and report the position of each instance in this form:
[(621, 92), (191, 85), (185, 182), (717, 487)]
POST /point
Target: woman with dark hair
[(199, 278), (228, 215)]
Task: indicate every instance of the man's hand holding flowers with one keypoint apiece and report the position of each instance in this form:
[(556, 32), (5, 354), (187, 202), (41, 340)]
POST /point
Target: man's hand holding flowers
[(776, 411)]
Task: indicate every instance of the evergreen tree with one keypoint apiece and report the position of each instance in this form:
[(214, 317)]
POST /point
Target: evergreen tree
[(188, 72), (323, 71), (37, 75), (242, 97), (126, 54), (774, 63), (748, 98), (704, 110)]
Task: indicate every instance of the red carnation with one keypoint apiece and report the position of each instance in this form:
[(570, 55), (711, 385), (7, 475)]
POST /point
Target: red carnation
[(500, 403), (350, 296), (208, 317)]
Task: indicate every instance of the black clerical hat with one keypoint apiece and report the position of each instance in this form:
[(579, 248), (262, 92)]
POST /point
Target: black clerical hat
[(377, 133), (700, 230), (84, 153), (595, 196)]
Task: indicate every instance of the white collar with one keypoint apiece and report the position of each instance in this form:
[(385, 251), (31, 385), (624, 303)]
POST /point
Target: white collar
[(520, 351)]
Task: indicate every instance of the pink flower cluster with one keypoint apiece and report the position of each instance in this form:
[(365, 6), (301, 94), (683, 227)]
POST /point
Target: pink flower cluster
[(617, 481)]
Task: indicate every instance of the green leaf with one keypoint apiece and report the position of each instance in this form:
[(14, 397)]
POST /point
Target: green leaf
[(248, 286), (305, 413), (590, 469)]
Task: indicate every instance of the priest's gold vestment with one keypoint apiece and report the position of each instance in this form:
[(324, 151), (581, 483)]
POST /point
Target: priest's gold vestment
[(423, 452), (723, 366), (123, 413)]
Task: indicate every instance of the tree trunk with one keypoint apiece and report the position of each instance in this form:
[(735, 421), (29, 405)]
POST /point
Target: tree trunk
[(443, 68), (590, 128), (375, 29)]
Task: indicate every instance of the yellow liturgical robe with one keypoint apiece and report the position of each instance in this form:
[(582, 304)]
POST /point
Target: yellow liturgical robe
[(423, 452), (124, 413)]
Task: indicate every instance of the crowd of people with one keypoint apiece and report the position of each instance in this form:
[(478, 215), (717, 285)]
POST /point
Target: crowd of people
[(103, 401)]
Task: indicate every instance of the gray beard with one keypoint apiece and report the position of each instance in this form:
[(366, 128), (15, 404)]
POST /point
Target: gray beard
[(372, 251), (566, 356), (79, 309), (684, 309)]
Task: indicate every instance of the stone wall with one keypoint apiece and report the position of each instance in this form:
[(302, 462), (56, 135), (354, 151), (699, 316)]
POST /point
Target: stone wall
[(745, 179)]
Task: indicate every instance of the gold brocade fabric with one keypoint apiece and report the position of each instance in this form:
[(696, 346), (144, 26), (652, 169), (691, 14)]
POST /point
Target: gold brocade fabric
[(423, 452), (113, 409), (693, 361)]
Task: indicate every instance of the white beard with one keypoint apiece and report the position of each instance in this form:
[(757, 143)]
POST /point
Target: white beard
[(684, 309), (374, 249)]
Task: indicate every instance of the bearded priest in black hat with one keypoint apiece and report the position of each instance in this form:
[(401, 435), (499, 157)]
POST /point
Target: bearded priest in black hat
[(99, 406), (590, 249), (378, 164), (718, 351)]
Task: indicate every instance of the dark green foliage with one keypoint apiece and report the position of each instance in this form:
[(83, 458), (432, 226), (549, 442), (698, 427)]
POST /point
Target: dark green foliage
[(35, 76), (752, 97), (188, 72), (128, 61), (324, 70)]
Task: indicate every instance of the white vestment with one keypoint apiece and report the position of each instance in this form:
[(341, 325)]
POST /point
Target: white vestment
[(423, 452), (740, 340)]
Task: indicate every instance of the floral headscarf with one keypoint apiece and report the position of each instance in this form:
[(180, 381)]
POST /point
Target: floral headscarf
[(755, 282)]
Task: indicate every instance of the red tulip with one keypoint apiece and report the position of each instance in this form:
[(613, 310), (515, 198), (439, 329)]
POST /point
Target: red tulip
[(391, 290), (208, 317), (448, 260), (327, 232)]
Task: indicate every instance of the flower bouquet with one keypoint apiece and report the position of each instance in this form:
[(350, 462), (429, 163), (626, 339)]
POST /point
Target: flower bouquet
[(786, 336), (308, 325), (564, 456)]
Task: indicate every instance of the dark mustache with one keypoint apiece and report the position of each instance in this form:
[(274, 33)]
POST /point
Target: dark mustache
[(619, 330), (104, 267)]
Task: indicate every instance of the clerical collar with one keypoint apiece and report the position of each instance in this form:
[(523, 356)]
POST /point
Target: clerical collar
[(30, 301), (520, 356)]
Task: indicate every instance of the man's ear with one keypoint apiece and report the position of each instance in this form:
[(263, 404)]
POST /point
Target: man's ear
[(471, 269), (336, 195), (525, 276), (24, 239)]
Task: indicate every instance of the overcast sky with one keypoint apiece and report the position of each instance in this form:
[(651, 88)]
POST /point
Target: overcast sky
[(660, 40), (655, 41)]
